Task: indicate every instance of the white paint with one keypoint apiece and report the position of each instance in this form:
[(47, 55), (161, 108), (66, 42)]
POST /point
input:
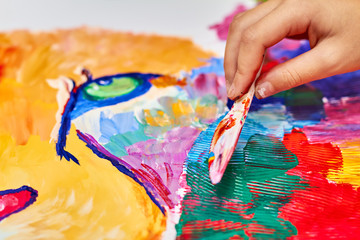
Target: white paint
[(71, 199), (86, 208)]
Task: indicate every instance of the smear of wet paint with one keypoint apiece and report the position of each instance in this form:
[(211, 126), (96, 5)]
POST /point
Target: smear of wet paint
[(326, 208), (320, 158), (341, 127), (246, 202)]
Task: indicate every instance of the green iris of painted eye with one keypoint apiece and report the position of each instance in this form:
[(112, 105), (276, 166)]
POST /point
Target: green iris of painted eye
[(116, 87)]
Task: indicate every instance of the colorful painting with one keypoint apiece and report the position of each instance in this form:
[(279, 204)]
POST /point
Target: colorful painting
[(106, 135)]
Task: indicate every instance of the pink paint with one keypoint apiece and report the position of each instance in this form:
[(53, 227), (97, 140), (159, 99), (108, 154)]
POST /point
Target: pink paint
[(163, 177), (210, 83), (342, 122), (222, 28), (170, 153)]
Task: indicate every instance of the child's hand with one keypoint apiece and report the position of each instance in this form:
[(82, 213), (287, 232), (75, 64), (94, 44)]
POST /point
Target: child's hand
[(333, 30)]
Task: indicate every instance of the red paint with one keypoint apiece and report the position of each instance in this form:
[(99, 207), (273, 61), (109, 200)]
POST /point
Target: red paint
[(162, 190), (325, 209), (194, 228), (317, 157), (12, 201), (224, 125), (268, 66), (2, 68)]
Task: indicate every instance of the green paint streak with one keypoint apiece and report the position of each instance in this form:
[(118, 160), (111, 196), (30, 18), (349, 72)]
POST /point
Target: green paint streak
[(254, 187), (303, 96), (118, 87), (118, 142)]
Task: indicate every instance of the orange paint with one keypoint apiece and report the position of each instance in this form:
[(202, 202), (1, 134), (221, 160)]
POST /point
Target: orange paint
[(224, 125), (168, 81), (246, 102), (93, 199), (28, 59)]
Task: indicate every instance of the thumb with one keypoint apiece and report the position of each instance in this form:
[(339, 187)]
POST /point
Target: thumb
[(320, 62)]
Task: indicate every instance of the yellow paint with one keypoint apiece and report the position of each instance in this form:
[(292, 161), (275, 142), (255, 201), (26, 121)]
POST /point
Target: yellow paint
[(180, 113), (206, 112), (89, 201), (28, 59), (181, 109), (94, 200), (159, 119), (350, 172)]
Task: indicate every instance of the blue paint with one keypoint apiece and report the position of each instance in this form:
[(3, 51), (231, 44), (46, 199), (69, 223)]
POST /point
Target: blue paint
[(332, 87), (84, 104), (124, 167), (65, 127), (78, 105), (118, 124), (33, 196), (215, 65), (282, 53), (337, 86)]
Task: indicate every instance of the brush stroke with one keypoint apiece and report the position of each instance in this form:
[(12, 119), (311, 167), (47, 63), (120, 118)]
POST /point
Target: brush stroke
[(245, 204)]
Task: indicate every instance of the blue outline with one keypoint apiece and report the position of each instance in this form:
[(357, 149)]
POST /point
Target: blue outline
[(119, 167), (78, 105), (33, 196), (84, 104)]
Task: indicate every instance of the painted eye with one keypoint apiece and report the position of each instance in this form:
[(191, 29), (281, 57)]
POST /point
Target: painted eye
[(111, 87), (108, 90)]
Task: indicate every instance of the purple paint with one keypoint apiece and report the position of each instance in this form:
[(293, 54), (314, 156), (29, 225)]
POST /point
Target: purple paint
[(160, 178)]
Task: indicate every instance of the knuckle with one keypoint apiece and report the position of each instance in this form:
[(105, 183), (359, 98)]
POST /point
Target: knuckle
[(237, 23), (292, 78), (238, 16), (249, 35)]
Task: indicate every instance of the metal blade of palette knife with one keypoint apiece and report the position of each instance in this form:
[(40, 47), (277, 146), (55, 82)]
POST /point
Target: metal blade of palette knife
[(227, 134)]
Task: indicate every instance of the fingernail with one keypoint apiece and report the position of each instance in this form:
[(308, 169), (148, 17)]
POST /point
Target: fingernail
[(264, 90), (231, 91)]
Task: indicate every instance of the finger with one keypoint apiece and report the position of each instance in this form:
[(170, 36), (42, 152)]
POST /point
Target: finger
[(283, 21), (320, 62), (240, 23)]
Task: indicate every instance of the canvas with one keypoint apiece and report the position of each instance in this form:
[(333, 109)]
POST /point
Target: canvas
[(106, 135)]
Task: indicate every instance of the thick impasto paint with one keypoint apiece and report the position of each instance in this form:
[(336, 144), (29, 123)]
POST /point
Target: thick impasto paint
[(107, 135)]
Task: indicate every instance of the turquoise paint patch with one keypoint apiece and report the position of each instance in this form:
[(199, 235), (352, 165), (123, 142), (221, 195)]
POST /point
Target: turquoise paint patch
[(118, 142), (254, 187)]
